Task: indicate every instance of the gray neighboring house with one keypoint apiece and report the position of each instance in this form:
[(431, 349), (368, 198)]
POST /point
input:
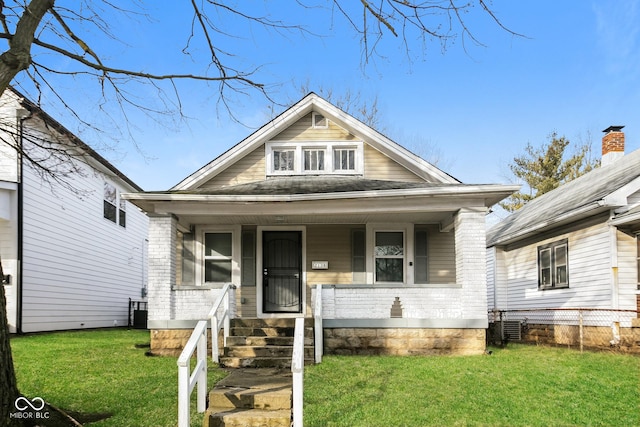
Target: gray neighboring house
[(575, 247)]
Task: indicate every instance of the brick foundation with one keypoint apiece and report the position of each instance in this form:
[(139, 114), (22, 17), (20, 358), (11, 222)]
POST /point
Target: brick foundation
[(404, 342)]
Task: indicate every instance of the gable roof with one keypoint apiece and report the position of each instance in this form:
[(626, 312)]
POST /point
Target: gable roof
[(58, 127), (600, 190), (309, 103)]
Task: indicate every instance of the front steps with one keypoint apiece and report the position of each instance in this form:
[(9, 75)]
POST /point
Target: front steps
[(259, 393), (264, 343), (251, 397)]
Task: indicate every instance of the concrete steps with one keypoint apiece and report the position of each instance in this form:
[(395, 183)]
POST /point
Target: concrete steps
[(251, 397), (264, 343), (258, 390)]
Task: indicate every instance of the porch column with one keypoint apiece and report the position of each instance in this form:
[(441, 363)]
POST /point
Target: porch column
[(162, 266), (470, 239)]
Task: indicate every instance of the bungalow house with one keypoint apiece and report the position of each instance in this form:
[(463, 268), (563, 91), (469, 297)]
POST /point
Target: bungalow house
[(316, 197), (571, 257), (72, 250)]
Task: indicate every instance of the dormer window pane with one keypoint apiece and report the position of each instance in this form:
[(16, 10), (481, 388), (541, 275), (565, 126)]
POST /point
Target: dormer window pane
[(314, 160), (283, 160), (344, 159)]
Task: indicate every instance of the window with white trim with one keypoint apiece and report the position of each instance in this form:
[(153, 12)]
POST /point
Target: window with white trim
[(284, 160), (315, 158), (114, 207), (319, 121), (218, 257), (389, 257), (553, 265), (344, 159)]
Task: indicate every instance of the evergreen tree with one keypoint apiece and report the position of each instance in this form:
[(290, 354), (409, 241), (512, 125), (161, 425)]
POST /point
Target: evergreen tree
[(546, 168)]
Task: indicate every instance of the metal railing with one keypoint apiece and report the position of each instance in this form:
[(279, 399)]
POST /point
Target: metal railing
[(222, 322), (583, 328), (297, 370), (187, 380), (317, 325)]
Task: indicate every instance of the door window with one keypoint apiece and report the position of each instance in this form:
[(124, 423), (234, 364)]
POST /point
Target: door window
[(389, 256)]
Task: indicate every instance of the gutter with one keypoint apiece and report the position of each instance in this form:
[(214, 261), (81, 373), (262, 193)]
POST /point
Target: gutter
[(625, 219)]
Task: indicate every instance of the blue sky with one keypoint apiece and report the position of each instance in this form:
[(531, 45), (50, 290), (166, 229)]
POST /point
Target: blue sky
[(576, 72)]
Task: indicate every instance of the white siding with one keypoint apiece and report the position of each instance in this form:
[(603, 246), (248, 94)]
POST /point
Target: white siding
[(9, 250), (627, 271), (79, 269), (491, 278), (589, 273), (8, 153)]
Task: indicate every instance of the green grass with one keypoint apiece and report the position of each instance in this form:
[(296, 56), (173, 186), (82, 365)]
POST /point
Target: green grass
[(102, 372), (516, 386), (96, 372)]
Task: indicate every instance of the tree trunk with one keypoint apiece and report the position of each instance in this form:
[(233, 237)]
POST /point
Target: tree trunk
[(18, 56), (8, 385)]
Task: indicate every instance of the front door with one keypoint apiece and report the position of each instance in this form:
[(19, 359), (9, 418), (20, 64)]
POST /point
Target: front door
[(282, 271)]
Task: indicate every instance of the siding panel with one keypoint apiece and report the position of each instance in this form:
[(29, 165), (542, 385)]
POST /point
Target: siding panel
[(589, 273), (302, 131), (250, 168), (379, 166), (80, 269), (329, 243)]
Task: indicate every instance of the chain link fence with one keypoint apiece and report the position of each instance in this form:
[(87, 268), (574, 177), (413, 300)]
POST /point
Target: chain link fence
[(580, 328)]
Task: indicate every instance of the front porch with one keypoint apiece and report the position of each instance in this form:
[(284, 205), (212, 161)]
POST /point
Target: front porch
[(404, 286)]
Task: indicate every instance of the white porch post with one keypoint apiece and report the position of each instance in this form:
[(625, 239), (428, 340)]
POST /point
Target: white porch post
[(162, 265), (470, 240)]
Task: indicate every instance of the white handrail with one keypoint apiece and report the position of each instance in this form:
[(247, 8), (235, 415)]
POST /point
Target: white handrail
[(188, 380), (297, 369), (317, 325), (223, 298)]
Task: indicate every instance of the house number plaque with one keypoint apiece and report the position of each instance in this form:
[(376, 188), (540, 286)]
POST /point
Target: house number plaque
[(319, 265)]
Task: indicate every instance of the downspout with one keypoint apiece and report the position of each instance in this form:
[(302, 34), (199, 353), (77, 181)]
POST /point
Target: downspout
[(21, 115)]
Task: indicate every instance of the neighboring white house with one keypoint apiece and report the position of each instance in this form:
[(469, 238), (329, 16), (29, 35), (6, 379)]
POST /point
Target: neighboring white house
[(316, 197), (73, 251), (576, 247)]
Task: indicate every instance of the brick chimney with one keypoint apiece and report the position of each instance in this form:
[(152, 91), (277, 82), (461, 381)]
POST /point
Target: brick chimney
[(612, 145)]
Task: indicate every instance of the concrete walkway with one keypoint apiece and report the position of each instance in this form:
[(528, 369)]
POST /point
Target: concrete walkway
[(250, 396)]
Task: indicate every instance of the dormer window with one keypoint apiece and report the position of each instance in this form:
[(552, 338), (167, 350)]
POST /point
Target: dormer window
[(315, 158), (318, 121), (284, 160)]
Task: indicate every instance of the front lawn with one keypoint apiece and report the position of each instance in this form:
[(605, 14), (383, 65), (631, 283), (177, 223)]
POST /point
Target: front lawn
[(102, 374), (515, 386)]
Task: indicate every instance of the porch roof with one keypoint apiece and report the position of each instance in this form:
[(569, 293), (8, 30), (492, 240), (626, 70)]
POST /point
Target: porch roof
[(325, 188), (315, 185), (325, 199)]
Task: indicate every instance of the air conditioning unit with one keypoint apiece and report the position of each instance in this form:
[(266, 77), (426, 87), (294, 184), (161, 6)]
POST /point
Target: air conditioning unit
[(511, 330)]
